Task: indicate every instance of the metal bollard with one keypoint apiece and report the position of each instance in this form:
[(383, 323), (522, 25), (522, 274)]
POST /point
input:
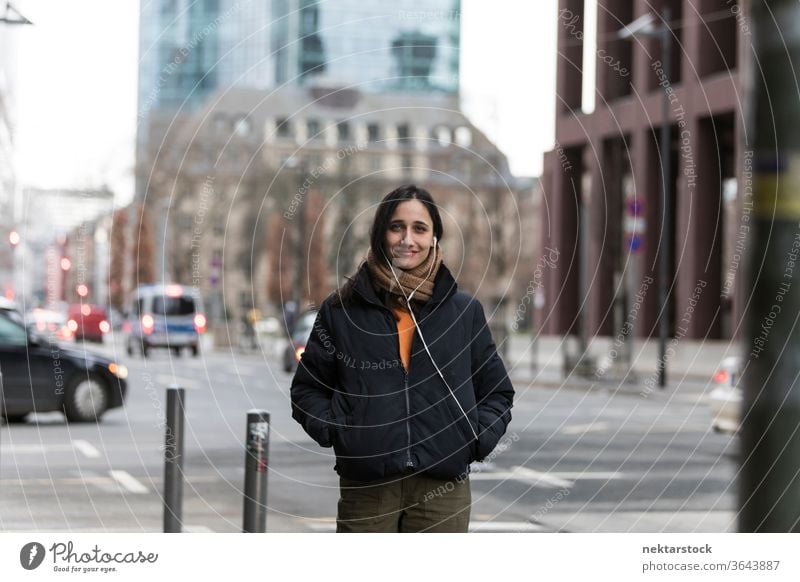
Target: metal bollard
[(173, 460), (255, 472)]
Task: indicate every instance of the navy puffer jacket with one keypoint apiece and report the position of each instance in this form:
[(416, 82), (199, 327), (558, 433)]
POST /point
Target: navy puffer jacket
[(352, 392)]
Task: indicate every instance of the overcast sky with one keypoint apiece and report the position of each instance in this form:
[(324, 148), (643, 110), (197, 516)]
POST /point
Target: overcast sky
[(76, 86)]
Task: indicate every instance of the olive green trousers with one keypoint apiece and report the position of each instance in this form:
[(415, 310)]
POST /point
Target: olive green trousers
[(405, 503)]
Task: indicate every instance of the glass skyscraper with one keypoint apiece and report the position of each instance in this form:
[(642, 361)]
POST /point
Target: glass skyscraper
[(188, 48), (398, 45)]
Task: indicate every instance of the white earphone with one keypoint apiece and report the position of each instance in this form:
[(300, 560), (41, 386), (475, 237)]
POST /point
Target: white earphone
[(421, 337)]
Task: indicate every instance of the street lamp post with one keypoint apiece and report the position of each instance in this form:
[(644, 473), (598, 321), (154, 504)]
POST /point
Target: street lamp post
[(644, 27), (13, 16), (769, 489)]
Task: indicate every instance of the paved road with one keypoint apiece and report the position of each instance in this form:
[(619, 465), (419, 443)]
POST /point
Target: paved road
[(573, 460)]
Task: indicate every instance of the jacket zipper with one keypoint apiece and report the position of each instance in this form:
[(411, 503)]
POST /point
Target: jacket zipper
[(409, 462)]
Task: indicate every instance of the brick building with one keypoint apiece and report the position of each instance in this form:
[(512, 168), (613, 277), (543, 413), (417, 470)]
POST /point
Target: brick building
[(606, 166)]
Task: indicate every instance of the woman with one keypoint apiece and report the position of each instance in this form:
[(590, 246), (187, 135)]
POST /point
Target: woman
[(401, 377)]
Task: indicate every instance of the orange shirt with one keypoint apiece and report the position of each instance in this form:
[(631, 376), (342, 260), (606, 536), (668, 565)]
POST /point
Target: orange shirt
[(405, 334)]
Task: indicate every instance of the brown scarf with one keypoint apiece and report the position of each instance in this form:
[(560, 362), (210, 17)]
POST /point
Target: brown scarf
[(410, 280)]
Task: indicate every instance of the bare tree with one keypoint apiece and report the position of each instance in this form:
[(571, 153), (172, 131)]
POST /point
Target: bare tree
[(116, 271), (143, 250), (278, 250), (317, 268)]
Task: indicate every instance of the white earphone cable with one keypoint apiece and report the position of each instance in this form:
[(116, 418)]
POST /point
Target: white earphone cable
[(421, 337)]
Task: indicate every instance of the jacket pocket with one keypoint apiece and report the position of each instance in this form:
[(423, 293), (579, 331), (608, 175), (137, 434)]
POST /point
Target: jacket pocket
[(459, 421), (345, 408)]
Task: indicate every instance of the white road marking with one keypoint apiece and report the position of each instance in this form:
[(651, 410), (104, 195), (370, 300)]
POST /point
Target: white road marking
[(86, 448), (128, 481), (586, 475), (169, 380), (535, 478), (547, 479), (583, 428)]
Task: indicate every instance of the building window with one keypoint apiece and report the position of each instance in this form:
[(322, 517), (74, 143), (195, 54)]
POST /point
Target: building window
[(283, 127), (242, 126), (403, 134), (442, 135), (312, 126), (373, 132), (463, 136), (343, 131)]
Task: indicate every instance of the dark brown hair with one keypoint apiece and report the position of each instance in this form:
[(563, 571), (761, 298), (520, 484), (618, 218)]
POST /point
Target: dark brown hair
[(380, 224)]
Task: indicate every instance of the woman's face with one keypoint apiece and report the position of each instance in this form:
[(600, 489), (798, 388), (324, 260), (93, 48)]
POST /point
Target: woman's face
[(410, 235)]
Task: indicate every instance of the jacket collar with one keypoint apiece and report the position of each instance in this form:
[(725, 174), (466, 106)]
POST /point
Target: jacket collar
[(444, 286)]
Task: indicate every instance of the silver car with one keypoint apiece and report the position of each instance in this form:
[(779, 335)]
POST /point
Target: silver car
[(726, 399)]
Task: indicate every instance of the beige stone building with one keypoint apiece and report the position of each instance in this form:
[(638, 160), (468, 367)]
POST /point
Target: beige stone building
[(232, 182)]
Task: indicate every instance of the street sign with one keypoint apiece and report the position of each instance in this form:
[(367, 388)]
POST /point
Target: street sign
[(634, 224), (633, 242), (635, 207)]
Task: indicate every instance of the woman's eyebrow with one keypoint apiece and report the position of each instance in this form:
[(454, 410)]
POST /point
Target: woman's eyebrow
[(401, 221)]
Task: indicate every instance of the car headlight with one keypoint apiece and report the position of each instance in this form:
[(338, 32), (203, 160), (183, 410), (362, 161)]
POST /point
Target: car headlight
[(119, 370)]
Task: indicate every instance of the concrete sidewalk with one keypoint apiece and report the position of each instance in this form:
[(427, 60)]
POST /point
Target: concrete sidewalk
[(541, 362)]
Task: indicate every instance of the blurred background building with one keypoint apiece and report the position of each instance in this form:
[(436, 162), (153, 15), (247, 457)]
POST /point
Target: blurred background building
[(259, 187), (606, 165), (259, 171), (189, 49), (63, 224), (9, 187)]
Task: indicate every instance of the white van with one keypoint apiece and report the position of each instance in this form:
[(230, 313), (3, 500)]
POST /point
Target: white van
[(165, 316)]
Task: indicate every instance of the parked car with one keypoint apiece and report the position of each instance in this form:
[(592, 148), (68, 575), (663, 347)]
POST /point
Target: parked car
[(88, 322), (299, 337), (48, 323), (165, 316), (43, 376), (8, 305), (726, 399)]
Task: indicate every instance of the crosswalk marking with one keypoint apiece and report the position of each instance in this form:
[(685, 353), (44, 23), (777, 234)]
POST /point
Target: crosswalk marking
[(545, 480), (86, 448), (535, 478), (128, 481)]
